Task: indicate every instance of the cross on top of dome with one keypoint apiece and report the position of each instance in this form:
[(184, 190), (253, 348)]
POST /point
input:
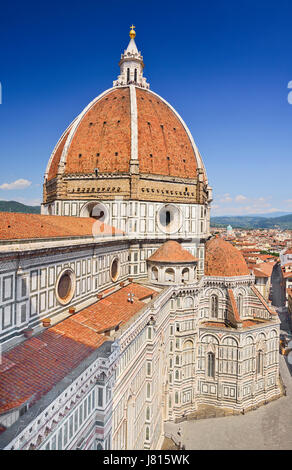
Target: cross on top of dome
[(132, 32), (131, 65)]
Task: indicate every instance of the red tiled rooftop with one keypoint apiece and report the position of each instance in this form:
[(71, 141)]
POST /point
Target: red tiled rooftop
[(172, 252), (31, 369), (19, 226), (266, 268), (114, 309), (34, 373), (259, 273)]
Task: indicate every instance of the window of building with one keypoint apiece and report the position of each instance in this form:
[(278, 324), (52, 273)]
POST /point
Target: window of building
[(211, 365), (260, 357), (154, 274), (148, 368), (147, 413), (65, 286), (149, 332), (240, 303), (23, 287), (100, 396), (169, 275), (214, 306), (148, 390), (115, 269), (185, 274)]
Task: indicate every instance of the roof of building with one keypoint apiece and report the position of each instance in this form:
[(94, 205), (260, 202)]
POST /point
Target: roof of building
[(115, 309), (288, 251), (100, 137), (259, 273), (16, 226), (223, 259), (172, 252), (263, 301), (32, 368), (267, 268)]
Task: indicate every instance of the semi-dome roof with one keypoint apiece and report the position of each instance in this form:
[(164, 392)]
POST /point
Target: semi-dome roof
[(172, 252), (124, 124), (223, 259)]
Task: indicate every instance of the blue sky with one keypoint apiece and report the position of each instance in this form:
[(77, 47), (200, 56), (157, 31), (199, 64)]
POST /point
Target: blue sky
[(224, 66)]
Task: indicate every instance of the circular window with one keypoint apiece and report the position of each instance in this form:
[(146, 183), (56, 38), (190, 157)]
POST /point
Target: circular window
[(96, 210), (169, 218), (115, 269), (65, 287)]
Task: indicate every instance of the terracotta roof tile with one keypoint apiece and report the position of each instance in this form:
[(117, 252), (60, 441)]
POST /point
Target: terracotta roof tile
[(19, 226), (223, 259), (34, 373), (102, 138), (163, 144), (31, 369)]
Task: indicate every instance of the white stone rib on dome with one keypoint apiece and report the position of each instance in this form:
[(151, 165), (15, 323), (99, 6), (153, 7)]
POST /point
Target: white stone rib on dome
[(56, 147), (74, 125)]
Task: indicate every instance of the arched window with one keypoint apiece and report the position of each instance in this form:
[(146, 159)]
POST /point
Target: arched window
[(154, 274), (240, 303), (147, 434), (128, 75), (169, 275), (135, 76), (211, 364), (185, 274), (177, 375), (260, 357), (214, 306), (176, 397)]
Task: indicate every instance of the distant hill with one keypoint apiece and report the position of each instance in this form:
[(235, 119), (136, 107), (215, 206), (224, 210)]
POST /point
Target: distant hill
[(284, 222), (14, 206), (269, 215)]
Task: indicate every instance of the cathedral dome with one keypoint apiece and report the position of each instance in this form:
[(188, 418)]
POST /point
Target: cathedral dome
[(223, 259), (127, 143), (125, 124)]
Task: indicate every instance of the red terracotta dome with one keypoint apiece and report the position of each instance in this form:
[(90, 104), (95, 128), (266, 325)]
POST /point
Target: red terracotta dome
[(122, 124), (223, 259), (172, 252)]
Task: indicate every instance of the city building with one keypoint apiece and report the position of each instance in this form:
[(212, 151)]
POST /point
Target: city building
[(119, 311)]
